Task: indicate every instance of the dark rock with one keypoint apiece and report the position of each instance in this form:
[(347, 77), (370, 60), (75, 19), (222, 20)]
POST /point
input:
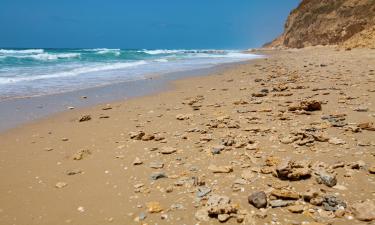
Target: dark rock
[(258, 199)]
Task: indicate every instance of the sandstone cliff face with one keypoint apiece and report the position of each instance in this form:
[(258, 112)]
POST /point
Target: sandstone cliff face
[(349, 23)]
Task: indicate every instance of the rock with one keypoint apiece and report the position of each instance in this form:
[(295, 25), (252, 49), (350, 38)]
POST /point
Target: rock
[(280, 203), (217, 205), (223, 217), (154, 207), (148, 137), (258, 199), (296, 208), (137, 161), (217, 149), (220, 169), (73, 172), (168, 150), (336, 141), (364, 211), (182, 117), (371, 170), (156, 165), (290, 170), (361, 109), (285, 194), (203, 191), (311, 194), (61, 184), (158, 175), (136, 135), (309, 105), (325, 178), (85, 118), (81, 154), (367, 126), (332, 203)]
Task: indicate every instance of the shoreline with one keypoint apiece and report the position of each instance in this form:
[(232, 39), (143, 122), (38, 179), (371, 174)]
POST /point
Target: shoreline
[(30, 109), (160, 158)]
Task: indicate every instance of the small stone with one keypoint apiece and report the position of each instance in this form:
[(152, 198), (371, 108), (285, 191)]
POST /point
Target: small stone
[(258, 199), (168, 150), (156, 165), (81, 154), (220, 169), (182, 117), (202, 215), (223, 217), (361, 109), (295, 208), (285, 194), (61, 184), (137, 161), (371, 170), (280, 203), (136, 135), (217, 149), (158, 175), (73, 172), (154, 207), (326, 178), (203, 191), (336, 141), (85, 118), (332, 203)]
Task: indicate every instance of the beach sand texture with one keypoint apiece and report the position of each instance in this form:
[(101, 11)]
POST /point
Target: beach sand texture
[(298, 125)]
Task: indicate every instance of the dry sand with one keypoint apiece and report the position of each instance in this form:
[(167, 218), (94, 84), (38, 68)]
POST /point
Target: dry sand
[(217, 139)]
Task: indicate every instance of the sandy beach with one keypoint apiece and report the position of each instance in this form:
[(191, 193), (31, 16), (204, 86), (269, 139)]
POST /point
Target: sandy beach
[(288, 139)]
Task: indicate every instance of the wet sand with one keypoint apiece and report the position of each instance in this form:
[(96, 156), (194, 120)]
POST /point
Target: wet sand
[(295, 130)]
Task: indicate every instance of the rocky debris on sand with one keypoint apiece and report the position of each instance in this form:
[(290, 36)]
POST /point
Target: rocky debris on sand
[(337, 120), (364, 211), (168, 150), (313, 196), (323, 177), (158, 175), (220, 169), (219, 207), (292, 170), (332, 203), (280, 203), (148, 137), (336, 141), (81, 154), (156, 165), (361, 109), (285, 194), (73, 172), (296, 208), (136, 135), (371, 169), (303, 137), (203, 191), (308, 105), (85, 118), (154, 207), (61, 184), (137, 161), (258, 199), (367, 126), (182, 116), (217, 149)]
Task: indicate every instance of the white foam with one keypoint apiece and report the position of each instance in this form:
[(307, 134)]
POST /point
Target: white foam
[(45, 56), (25, 51), (74, 72)]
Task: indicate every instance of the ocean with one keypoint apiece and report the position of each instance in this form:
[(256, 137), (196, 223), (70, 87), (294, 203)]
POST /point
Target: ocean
[(33, 72)]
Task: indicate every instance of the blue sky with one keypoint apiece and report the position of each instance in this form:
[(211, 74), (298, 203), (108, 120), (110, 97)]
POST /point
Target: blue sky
[(149, 24)]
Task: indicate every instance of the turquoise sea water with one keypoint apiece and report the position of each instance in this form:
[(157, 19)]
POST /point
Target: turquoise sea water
[(30, 72)]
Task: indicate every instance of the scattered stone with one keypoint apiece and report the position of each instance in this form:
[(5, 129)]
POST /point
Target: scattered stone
[(332, 203), (156, 165), (182, 117), (85, 118), (291, 170), (371, 170), (73, 172), (158, 175), (285, 194), (61, 184), (296, 208), (217, 149), (137, 161), (309, 105), (325, 178), (336, 141), (148, 137), (220, 169), (168, 150), (154, 207), (280, 203), (81, 154), (367, 126), (361, 109), (136, 135), (258, 199), (203, 191)]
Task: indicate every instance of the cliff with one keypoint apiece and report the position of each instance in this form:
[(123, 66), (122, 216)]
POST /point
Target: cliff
[(348, 23)]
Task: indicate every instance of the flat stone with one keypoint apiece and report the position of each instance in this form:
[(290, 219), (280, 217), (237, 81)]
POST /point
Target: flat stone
[(220, 169), (137, 161), (296, 208), (154, 207), (326, 178), (156, 165), (158, 175), (168, 150), (364, 211), (61, 184), (280, 203), (203, 191), (285, 194), (258, 199)]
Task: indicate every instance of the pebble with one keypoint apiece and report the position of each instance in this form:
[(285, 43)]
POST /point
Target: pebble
[(258, 199)]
